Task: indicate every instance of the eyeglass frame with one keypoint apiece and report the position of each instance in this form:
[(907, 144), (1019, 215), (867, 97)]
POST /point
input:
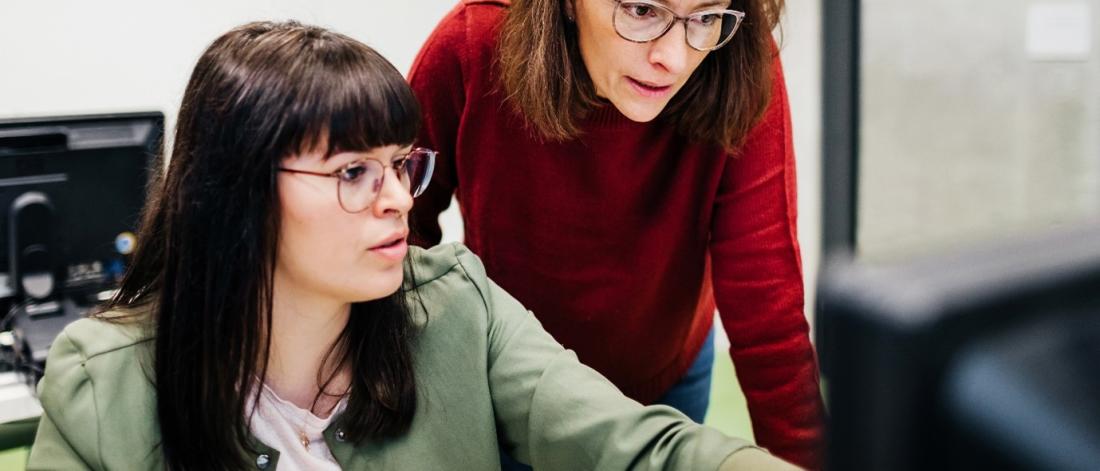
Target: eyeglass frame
[(740, 15), (382, 182)]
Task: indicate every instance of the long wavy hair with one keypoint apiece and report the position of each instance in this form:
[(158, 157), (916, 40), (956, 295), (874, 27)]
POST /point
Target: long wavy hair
[(545, 79), (204, 265)]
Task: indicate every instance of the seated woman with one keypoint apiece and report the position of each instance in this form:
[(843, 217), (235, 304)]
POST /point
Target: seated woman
[(274, 317)]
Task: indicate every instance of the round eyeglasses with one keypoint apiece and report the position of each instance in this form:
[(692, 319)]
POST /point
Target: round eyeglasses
[(359, 183), (642, 21)]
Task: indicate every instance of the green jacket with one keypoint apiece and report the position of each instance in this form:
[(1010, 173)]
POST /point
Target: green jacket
[(485, 367)]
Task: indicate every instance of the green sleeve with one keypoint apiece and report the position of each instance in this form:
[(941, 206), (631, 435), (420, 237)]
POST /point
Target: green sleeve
[(67, 432), (556, 413), (52, 451)]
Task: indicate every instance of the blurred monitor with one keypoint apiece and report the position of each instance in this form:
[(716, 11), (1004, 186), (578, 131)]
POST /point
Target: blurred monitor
[(71, 193), (987, 358)]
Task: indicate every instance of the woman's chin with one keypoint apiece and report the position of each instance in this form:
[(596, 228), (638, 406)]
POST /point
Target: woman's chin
[(380, 286), (638, 112)]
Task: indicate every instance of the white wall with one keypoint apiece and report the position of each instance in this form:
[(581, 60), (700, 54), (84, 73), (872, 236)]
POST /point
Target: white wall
[(976, 130), (78, 57), (69, 56), (801, 53)]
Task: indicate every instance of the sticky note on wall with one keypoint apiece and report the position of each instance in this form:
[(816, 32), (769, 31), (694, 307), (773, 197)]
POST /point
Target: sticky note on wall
[(1059, 31)]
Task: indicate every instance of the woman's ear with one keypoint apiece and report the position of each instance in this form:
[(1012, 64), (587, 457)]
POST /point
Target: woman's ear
[(570, 12)]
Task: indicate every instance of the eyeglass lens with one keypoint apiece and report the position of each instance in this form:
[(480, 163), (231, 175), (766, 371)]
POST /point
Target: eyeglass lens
[(643, 21), (361, 182)]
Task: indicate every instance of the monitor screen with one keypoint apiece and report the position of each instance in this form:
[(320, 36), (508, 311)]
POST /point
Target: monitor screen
[(981, 358)]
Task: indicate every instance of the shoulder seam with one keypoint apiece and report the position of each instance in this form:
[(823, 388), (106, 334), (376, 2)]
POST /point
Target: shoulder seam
[(130, 340), (489, 314), (120, 347), (420, 283), (480, 291)]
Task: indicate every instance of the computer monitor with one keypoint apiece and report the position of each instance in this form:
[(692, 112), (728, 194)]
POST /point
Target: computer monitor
[(984, 358), (71, 193)]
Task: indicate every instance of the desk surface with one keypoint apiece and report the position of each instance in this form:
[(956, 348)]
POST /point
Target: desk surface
[(19, 412), (17, 401)]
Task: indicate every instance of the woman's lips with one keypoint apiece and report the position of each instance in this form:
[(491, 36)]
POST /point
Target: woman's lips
[(394, 251), (649, 90)]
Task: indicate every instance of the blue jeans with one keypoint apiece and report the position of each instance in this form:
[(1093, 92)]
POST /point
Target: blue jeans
[(691, 395)]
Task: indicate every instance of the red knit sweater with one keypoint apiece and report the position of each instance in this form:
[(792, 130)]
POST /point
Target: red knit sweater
[(614, 240)]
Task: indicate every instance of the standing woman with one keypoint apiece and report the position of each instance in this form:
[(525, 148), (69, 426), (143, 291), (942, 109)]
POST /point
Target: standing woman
[(270, 319), (623, 167)]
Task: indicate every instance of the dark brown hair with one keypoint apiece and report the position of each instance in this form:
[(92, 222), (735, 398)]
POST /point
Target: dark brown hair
[(544, 77), (208, 238)]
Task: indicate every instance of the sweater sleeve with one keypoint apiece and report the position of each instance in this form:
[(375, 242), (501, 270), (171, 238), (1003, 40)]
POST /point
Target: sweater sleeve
[(555, 413), (757, 276), (437, 81)]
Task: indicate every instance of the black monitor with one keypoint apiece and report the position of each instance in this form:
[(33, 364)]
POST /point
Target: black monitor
[(71, 193), (986, 358)]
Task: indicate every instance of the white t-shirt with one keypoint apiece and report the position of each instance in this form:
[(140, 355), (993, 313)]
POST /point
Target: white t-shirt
[(282, 425)]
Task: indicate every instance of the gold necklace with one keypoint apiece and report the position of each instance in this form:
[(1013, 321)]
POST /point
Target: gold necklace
[(276, 402)]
